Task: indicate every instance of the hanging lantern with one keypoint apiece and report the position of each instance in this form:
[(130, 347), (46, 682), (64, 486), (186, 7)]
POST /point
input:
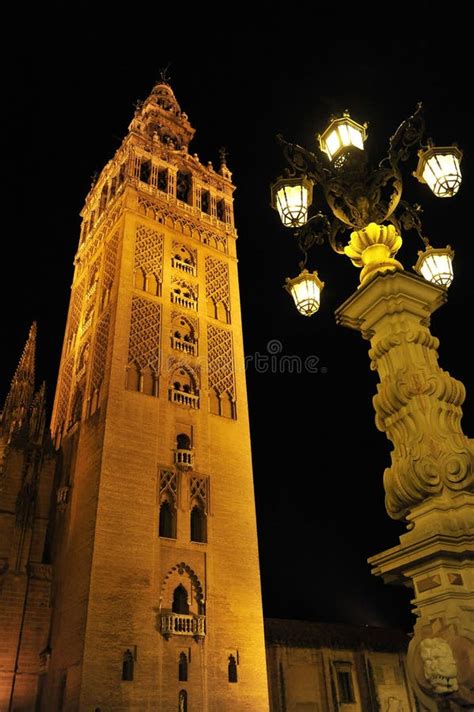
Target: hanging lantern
[(440, 169), (306, 291), (291, 197), (436, 265), (341, 134)]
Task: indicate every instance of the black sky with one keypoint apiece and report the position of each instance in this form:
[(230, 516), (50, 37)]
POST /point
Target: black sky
[(73, 75)]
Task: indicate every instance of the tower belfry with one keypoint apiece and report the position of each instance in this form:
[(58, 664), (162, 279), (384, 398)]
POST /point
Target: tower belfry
[(157, 602)]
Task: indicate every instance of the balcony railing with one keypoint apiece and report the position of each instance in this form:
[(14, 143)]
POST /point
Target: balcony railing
[(187, 302), (181, 624), (188, 347), (183, 266), (184, 398), (183, 458)]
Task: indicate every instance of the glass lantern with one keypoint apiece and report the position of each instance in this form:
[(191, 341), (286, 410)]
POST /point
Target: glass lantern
[(440, 169), (341, 134), (291, 197), (436, 265), (306, 291)]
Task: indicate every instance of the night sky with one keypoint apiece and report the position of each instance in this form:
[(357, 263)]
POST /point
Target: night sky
[(73, 75)]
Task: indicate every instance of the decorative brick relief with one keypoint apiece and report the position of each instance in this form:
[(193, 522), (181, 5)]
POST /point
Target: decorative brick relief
[(185, 225), (144, 344), (64, 391), (76, 308), (149, 252), (100, 351), (217, 281), (110, 261), (221, 361), (168, 486), (198, 490)]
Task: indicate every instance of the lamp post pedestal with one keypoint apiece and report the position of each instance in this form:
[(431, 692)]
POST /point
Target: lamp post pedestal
[(430, 482)]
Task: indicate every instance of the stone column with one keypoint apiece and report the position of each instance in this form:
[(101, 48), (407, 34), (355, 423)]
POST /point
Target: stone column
[(429, 484)]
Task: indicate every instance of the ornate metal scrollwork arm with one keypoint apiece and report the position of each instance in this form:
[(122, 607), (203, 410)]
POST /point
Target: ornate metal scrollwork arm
[(408, 218), (302, 161), (317, 229), (409, 134)]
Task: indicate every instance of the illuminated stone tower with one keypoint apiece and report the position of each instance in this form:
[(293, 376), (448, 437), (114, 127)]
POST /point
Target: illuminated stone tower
[(156, 587)]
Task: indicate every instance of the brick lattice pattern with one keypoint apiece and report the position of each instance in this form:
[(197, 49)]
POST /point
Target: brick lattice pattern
[(144, 344)]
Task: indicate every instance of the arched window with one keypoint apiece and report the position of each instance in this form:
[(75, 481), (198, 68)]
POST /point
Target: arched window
[(214, 402), (198, 524), (227, 406), (183, 668), (205, 202), (222, 313), (103, 198), (167, 527), (211, 308), (232, 669), (149, 381), (133, 377), (163, 180), (180, 600), (183, 187), (145, 171), (183, 442), (220, 210), (183, 701), (127, 666), (76, 413), (139, 279)]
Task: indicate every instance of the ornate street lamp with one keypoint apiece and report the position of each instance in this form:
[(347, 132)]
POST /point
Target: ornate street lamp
[(361, 199), (430, 480)]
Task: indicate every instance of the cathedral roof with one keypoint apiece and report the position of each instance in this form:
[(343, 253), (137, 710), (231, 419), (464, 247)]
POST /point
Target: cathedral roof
[(310, 634), (21, 390)]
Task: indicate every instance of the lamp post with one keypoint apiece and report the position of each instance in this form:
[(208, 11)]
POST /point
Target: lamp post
[(430, 482)]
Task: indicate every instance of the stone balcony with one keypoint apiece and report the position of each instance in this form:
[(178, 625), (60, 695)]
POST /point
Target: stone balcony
[(182, 624), (183, 301), (187, 347), (184, 398), (183, 266), (183, 458)]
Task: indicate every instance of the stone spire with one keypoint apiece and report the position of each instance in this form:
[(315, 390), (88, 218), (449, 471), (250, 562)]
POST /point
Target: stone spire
[(20, 395)]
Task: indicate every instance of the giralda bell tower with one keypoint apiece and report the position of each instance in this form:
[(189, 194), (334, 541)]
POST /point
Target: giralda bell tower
[(156, 586)]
